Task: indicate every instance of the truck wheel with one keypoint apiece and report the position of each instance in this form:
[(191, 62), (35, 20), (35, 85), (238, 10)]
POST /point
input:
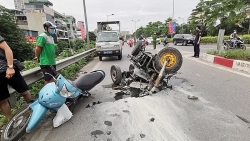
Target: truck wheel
[(175, 62), (100, 58), (120, 56), (137, 48), (116, 74)]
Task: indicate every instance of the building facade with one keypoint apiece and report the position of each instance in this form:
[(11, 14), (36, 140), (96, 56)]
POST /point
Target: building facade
[(20, 4)]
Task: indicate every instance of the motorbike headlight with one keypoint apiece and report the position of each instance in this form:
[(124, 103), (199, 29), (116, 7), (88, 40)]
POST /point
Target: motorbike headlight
[(116, 46), (65, 93), (98, 47), (56, 104)]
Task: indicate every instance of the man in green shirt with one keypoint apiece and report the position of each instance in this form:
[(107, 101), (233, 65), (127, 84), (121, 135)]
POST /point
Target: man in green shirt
[(45, 51)]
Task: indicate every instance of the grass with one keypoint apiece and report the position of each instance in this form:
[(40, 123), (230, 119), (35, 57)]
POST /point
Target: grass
[(237, 54)]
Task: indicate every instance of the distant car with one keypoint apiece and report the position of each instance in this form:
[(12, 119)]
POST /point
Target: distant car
[(185, 39), (150, 40)]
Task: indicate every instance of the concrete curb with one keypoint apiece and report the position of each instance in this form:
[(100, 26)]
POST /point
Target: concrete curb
[(230, 63)]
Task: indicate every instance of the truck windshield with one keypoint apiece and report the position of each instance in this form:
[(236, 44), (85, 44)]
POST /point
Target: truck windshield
[(107, 37)]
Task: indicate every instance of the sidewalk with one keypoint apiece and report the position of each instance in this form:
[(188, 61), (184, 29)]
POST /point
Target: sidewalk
[(230, 63)]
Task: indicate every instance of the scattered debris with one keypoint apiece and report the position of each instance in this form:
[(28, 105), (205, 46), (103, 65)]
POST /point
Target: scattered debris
[(243, 119), (96, 132), (108, 123), (126, 111), (108, 132), (152, 119), (192, 97), (142, 135)]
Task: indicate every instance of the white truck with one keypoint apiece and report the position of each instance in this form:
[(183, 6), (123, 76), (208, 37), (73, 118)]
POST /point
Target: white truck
[(108, 42)]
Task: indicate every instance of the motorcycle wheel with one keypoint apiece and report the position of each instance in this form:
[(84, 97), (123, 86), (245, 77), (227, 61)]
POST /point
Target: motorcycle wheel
[(17, 125), (137, 48), (175, 62), (244, 47), (116, 74)]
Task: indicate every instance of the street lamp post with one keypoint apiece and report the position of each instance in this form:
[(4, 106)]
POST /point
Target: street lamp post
[(182, 24), (86, 23), (135, 28), (108, 16)]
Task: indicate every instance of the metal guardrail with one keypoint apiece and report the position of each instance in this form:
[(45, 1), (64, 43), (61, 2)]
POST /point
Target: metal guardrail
[(35, 74)]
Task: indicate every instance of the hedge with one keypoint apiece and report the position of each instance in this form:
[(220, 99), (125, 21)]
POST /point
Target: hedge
[(213, 39), (237, 54)]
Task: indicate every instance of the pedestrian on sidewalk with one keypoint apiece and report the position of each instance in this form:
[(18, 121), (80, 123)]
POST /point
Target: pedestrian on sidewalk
[(45, 51), (9, 75), (154, 40), (197, 42)]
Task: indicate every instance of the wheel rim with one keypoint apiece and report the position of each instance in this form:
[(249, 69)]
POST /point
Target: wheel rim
[(17, 123), (172, 60), (113, 75)]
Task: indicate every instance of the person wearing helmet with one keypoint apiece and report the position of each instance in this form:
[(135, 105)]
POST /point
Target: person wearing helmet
[(233, 38), (141, 38), (197, 42), (45, 51)]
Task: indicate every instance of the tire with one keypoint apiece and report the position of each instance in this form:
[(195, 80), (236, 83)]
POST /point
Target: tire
[(175, 43), (120, 57), (244, 47), (100, 58), (137, 48), (116, 74), (24, 113), (185, 43), (175, 60)]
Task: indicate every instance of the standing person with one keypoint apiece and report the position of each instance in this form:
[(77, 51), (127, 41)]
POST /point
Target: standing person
[(154, 40), (197, 42), (10, 76), (45, 51)]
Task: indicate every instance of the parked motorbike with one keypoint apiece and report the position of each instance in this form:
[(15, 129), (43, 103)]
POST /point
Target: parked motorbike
[(228, 44), (152, 72), (51, 97)]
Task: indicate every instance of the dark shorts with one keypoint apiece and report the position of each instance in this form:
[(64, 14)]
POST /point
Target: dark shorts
[(16, 82), (48, 69)]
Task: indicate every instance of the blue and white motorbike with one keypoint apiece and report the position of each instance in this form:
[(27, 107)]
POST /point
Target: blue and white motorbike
[(51, 97)]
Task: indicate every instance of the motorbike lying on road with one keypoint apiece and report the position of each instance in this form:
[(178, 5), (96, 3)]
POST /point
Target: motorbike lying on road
[(228, 44), (149, 72), (51, 97)]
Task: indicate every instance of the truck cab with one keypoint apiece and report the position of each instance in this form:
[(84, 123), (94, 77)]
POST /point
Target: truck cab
[(109, 43)]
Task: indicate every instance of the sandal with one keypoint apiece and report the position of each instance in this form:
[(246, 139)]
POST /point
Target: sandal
[(2, 128)]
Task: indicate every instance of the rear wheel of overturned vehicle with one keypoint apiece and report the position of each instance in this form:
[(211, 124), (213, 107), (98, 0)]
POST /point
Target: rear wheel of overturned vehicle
[(137, 48), (16, 127), (116, 74), (174, 63)]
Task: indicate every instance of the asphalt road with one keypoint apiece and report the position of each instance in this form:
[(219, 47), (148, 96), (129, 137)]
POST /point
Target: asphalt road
[(223, 95)]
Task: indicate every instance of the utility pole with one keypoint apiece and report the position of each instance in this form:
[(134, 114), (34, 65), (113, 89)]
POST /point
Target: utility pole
[(135, 28), (108, 16), (86, 23), (172, 19)]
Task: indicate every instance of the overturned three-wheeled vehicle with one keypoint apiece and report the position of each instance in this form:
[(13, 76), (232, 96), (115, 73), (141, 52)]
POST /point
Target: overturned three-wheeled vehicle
[(148, 72)]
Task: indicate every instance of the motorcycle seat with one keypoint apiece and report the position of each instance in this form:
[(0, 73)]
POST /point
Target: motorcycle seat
[(87, 81)]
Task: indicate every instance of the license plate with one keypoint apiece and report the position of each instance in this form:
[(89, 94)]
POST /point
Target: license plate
[(107, 52)]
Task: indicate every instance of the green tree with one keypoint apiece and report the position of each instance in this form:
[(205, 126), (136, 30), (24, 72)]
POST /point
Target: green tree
[(92, 36), (14, 36), (61, 45)]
